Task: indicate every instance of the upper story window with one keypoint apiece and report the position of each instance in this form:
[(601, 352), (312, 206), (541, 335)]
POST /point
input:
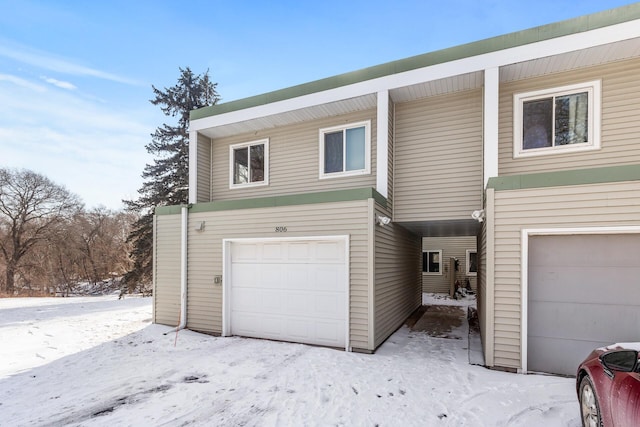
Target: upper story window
[(557, 120), (249, 164), (431, 261), (345, 150)]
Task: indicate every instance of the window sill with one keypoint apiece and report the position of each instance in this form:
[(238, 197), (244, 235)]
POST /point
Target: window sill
[(251, 185)]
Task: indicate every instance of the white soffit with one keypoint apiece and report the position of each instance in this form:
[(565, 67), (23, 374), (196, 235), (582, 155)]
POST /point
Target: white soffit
[(321, 111), (612, 52), (438, 87)]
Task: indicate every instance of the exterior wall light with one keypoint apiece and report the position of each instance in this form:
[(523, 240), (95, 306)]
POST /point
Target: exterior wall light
[(478, 215), (382, 220)]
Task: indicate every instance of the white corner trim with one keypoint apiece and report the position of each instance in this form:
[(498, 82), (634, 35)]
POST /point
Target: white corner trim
[(382, 144), (490, 123), (193, 166), (371, 259), (524, 293), (524, 270)]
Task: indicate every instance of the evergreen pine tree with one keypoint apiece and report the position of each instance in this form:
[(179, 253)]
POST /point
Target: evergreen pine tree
[(167, 179)]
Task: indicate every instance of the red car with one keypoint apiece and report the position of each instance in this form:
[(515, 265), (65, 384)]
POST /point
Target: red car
[(608, 385)]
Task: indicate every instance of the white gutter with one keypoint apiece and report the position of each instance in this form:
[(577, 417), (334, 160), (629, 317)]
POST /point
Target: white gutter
[(183, 270)]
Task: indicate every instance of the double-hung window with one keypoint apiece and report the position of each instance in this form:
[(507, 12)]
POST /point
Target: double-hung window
[(345, 150), (557, 120), (249, 164), (432, 261)]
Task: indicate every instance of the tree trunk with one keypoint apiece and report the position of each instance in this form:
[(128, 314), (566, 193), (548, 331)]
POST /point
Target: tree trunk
[(10, 278)]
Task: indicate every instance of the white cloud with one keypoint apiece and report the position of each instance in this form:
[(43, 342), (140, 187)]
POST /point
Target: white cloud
[(51, 62), (21, 82), (59, 83), (96, 150)]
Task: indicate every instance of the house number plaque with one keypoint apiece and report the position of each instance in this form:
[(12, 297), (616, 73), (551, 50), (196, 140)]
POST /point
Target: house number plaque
[(281, 229)]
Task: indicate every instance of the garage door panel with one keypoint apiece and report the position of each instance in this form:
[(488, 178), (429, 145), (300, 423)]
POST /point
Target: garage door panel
[(582, 322), (583, 292), (251, 300), (299, 251), (290, 290), (272, 251), (329, 278), (329, 306), (547, 355), (245, 252), (585, 250), (246, 324), (329, 332), (330, 251), (605, 285), (300, 275)]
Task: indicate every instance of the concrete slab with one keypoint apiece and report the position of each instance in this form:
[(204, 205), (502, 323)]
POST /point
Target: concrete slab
[(458, 322)]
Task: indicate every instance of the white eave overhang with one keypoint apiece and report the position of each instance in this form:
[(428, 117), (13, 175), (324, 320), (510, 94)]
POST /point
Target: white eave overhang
[(603, 45)]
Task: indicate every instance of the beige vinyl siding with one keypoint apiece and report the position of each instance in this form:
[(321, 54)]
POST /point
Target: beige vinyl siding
[(397, 277), (595, 205), (293, 158), (203, 164), (166, 294), (619, 120), (205, 254), (455, 247), (438, 157)]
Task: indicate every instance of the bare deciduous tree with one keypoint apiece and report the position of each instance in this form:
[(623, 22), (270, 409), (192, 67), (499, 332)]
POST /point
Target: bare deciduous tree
[(30, 207)]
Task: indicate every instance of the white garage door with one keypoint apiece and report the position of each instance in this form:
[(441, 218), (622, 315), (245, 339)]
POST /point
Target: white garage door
[(584, 292), (290, 291)]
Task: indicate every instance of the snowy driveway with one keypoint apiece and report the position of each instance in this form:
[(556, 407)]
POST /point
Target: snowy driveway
[(141, 379)]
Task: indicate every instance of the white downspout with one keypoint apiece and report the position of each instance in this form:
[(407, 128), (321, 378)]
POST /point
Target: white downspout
[(183, 270)]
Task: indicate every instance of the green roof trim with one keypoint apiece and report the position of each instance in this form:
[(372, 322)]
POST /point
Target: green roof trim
[(288, 200), (493, 44), (569, 177)]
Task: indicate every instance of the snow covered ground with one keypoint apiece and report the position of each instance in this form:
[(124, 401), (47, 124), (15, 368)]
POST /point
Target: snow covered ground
[(99, 362)]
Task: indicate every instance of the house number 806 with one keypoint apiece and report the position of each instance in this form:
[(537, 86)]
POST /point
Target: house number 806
[(281, 229)]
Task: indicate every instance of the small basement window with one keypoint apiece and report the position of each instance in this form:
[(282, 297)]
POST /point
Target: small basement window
[(558, 120), (249, 164), (432, 261), (345, 150), (472, 262)]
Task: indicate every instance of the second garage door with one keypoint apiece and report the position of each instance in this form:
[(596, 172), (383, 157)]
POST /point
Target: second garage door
[(290, 290), (584, 292)]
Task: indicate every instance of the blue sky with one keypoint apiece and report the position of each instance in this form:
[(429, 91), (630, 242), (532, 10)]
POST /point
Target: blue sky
[(76, 76)]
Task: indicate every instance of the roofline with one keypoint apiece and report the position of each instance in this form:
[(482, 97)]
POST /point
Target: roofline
[(519, 38)]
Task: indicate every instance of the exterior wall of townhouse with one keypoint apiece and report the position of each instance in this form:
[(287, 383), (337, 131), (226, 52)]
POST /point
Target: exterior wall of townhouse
[(619, 120), (293, 160), (396, 277), (594, 205), (205, 261), (438, 157)]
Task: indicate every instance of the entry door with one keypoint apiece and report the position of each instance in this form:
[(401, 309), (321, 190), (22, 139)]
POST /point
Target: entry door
[(290, 290)]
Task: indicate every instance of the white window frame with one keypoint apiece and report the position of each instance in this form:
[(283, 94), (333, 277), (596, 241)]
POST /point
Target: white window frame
[(439, 273), (367, 150), (593, 89), (233, 147), (468, 263)]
